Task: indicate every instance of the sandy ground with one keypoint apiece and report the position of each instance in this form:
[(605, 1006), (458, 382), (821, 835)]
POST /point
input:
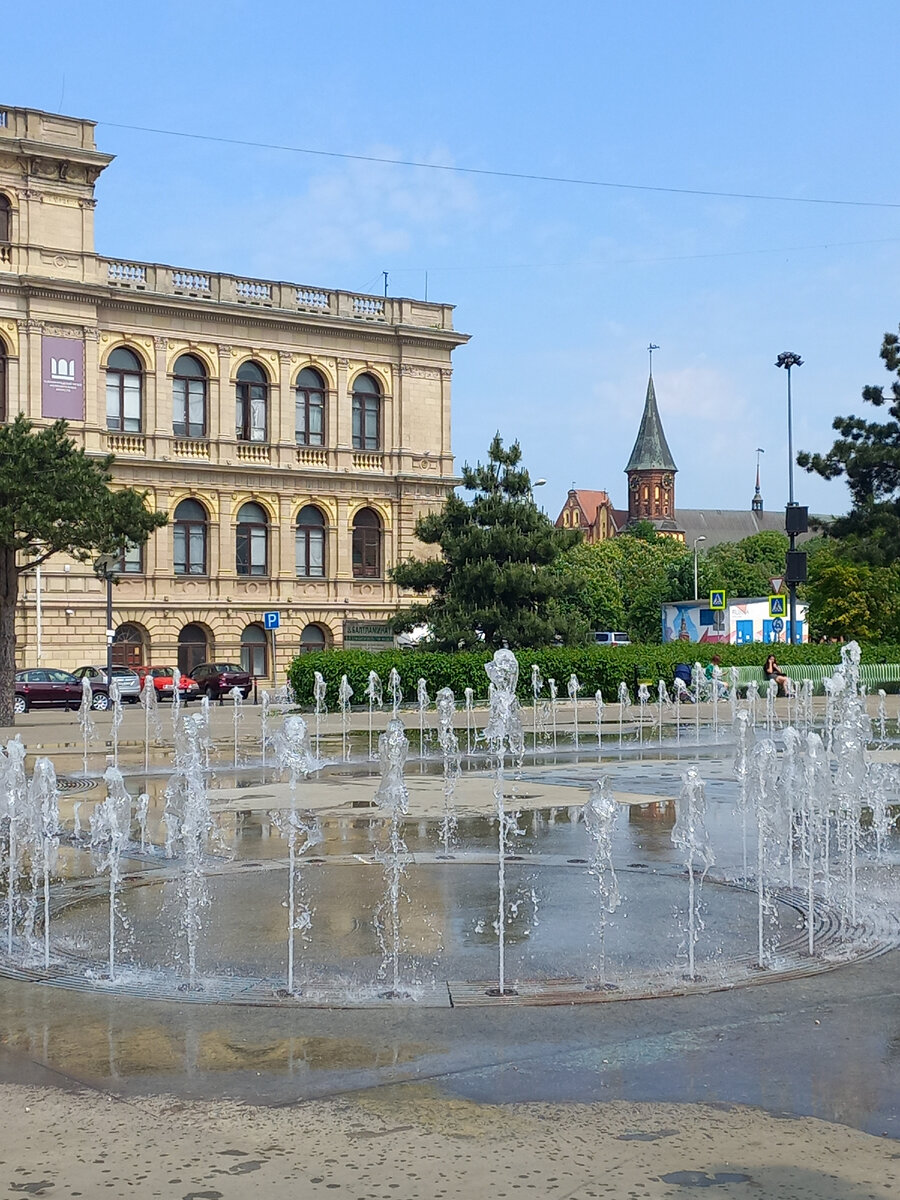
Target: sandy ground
[(412, 1143)]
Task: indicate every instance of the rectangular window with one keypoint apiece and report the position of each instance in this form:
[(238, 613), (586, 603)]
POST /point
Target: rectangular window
[(131, 561), (131, 403)]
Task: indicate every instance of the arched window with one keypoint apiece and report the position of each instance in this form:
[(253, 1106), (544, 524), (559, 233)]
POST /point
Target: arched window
[(366, 414), (189, 397), (309, 421), (4, 398), (128, 646), (5, 220), (123, 391), (252, 540), (193, 648), (311, 543), (313, 638), (254, 649), (366, 545), (252, 402), (190, 528)]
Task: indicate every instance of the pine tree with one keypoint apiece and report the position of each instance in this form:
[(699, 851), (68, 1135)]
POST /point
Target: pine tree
[(55, 499), (868, 454), (492, 583)]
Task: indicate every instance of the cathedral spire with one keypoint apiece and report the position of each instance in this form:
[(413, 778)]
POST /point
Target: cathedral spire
[(757, 504), (651, 450)]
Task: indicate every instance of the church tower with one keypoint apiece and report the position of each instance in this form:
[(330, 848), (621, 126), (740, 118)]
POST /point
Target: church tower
[(651, 471), (756, 505)]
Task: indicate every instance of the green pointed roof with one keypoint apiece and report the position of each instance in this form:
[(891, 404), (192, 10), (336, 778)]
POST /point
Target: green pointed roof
[(651, 450)]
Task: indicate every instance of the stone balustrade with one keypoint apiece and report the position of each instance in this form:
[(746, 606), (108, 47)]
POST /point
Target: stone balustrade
[(292, 297)]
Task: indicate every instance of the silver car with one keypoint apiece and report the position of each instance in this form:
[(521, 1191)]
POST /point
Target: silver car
[(128, 681)]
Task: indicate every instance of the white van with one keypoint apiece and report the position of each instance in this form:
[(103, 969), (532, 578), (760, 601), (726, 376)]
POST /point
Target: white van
[(611, 638)]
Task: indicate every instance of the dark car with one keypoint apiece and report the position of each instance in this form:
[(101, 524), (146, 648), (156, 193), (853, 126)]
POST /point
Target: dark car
[(46, 687), (128, 683), (217, 679)]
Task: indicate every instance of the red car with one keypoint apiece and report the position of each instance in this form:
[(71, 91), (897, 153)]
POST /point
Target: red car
[(164, 682)]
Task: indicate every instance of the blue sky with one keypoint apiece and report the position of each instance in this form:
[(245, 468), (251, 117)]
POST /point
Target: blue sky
[(562, 287)]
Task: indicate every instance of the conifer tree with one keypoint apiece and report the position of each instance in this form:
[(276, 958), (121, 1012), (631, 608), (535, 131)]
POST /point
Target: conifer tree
[(492, 582), (868, 454), (55, 499)]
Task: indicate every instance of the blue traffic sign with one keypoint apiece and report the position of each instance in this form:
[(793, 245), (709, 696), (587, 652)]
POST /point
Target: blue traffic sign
[(778, 605), (717, 599), (271, 620), (778, 624)]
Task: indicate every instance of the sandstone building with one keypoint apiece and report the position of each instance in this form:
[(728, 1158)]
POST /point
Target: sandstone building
[(293, 434)]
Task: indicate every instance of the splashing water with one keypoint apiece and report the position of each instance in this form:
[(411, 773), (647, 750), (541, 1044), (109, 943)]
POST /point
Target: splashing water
[(116, 701), (449, 744), (689, 834), (600, 814), (551, 687), (395, 691), (110, 829), (789, 789), (422, 700), (743, 738), (764, 797), (574, 687), (733, 677), (598, 701), (643, 700), (752, 700), (537, 686), (294, 755), (771, 695), (470, 717), (320, 690), (680, 693), (13, 797), (882, 715), (345, 695), (84, 718), (143, 808), (392, 796), (624, 702), (237, 715), (176, 698), (43, 827), (375, 696), (503, 735), (662, 694), (152, 726), (188, 830)]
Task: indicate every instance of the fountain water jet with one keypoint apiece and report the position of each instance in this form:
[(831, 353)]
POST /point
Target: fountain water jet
[(449, 743), (503, 735), (690, 835), (110, 830), (600, 814), (345, 695), (392, 796), (374, 695)]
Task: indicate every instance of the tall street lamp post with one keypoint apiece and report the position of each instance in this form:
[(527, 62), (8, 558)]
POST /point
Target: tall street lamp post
[(793, 522), (701, 538)]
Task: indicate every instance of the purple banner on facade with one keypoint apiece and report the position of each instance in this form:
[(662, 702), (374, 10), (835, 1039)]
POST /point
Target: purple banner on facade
[(62, 378)]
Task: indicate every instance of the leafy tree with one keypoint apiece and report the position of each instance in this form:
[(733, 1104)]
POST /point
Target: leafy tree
[(55, 499), (852, 600), (621, 582), (492, 583), (743, 568), (868, 454)]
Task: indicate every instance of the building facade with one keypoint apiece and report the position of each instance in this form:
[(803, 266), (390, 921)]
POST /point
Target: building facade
[(293, 434)]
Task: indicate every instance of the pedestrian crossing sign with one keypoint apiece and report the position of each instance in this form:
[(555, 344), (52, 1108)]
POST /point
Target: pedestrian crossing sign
[(777, 606), (717, 599)]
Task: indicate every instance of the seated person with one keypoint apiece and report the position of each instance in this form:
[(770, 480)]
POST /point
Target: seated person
[(717, 675), (683, 672), (771, 670)]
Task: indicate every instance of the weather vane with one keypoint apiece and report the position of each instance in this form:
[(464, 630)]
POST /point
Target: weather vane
[(650, 350)]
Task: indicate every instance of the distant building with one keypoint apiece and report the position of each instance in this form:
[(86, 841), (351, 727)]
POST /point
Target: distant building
[(741, 621), (293, 434), (651, 472)]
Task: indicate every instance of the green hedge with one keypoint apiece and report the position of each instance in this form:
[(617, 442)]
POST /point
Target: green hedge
[(602, 668)]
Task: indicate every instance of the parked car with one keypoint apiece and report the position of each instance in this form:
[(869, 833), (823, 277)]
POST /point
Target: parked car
[(217, 679), (127, 681), (164, 681), (46, 687), (608, 637)]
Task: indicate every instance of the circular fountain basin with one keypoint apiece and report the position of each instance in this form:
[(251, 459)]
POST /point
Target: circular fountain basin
[(447, 914)]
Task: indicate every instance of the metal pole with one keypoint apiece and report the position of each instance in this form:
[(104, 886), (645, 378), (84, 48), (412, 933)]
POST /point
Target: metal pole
[(110, 632), (696, 589), (792, 587)]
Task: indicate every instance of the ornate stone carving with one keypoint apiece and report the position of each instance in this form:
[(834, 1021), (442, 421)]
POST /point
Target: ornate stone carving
[(419, 372), (91, 334), (161, 343)]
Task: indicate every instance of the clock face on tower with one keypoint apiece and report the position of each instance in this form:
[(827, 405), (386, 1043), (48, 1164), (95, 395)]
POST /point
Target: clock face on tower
[(667, 481), (635, 483)]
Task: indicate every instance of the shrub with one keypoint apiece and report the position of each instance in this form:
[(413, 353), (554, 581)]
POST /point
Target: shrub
[(596, 667)]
